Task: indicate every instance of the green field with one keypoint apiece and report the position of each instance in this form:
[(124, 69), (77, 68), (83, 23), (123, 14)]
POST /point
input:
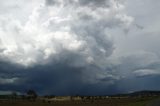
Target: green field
[(132, 101)]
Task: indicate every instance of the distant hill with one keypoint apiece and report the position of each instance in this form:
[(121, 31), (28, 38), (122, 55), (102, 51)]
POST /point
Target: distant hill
[(146, 93), (139, 93)]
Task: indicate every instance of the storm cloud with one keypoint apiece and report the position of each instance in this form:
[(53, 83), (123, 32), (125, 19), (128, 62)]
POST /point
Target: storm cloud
[(68, 47)]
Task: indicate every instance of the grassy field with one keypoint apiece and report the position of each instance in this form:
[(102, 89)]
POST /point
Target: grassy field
[(106, 102)]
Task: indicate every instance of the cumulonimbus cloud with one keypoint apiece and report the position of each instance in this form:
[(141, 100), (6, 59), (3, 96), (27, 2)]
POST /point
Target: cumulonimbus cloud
[(66, 46), (56, 29)]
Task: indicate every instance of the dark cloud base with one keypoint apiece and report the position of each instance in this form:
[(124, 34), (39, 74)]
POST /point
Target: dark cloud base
[(59, 79)]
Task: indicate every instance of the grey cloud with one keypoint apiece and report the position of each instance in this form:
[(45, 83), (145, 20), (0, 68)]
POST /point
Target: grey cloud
[(8, 80), (137, 61), (63, 79), (50, 2), (145, 72), (60, 2), (95, 3), (67, 48), (57, 79), (92, 3), (139, 83)]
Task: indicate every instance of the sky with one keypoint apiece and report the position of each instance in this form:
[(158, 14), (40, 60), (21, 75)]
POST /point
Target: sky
[(79, 47)]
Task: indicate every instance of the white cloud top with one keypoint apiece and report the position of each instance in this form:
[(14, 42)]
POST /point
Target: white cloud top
[(56, 29)]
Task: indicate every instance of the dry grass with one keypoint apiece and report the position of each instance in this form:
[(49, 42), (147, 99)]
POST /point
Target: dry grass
[(105, 102)]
